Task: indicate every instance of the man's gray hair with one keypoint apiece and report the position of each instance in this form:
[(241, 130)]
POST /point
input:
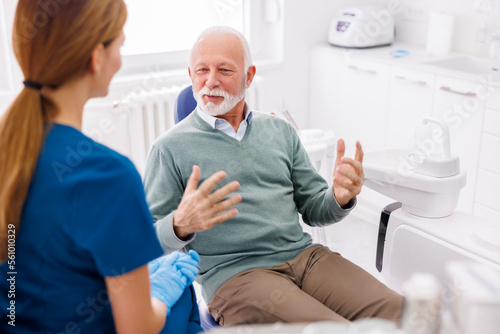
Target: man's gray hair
[(221, 31)]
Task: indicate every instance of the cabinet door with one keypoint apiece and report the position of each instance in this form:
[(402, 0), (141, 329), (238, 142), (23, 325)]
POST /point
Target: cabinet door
[(487, 199), (492, 96), (410, 100), (362, 111), (324, 80), (460, 104)]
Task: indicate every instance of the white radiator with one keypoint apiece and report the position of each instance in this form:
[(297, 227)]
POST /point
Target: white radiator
[(131, 124), (151, 113)]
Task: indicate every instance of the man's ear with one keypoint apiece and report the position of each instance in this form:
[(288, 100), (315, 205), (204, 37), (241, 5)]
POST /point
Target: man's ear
[(250, 75), (189, 71), (96, 60)]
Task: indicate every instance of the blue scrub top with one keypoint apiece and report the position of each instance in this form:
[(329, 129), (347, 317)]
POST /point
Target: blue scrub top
[(85, 217)]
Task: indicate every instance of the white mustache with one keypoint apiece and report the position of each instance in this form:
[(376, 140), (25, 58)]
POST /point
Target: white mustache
[(213, 92)]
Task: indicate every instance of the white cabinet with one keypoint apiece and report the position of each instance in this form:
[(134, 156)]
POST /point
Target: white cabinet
[(490, 155), (487, 199), (349, 97), (362, 104), (492, 122), (410, 100), (459, 104)]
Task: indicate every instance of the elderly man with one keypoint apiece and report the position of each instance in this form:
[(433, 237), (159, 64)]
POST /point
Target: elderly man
[(259, 266)]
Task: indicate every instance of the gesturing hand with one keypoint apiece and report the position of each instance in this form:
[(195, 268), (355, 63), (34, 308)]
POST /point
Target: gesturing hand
[(169, 275), (199, 210), (347, 174)]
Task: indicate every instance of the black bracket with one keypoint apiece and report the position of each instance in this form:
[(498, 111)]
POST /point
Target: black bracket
[(382, 229)]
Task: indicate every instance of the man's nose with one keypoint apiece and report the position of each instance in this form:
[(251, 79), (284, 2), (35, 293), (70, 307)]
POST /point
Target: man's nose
[(212, 80)]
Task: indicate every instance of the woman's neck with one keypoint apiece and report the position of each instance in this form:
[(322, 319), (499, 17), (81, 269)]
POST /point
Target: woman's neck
[(69, 100)]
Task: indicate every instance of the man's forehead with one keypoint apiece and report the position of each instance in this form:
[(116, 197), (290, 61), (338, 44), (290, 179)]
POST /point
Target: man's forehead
[(221, 47)]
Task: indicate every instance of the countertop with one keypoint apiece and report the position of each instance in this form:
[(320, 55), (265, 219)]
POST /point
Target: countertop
[(416, 59)]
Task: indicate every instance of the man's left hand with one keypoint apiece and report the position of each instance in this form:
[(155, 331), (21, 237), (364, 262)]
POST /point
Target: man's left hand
[(347, 174)]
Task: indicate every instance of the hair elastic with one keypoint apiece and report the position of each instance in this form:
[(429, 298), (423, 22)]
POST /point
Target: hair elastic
[(32, 85)]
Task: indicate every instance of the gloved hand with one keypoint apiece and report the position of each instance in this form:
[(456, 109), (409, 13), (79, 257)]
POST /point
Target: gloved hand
[(171, 274), (188, 265)]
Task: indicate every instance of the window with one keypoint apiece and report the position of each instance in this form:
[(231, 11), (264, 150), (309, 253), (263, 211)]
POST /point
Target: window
[(159, 33), (9, 72), (155, 26)]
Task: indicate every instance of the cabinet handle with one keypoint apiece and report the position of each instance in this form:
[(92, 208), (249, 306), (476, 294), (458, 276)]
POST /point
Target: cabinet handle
[(352, 67), (449, 90), (416, 82)]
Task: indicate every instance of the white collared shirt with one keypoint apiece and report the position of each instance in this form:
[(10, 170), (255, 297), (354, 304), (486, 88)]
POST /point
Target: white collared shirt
[(225, 126)]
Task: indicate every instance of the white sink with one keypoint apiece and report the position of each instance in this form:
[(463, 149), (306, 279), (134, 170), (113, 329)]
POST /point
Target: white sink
[(392, 173), (468, 64)]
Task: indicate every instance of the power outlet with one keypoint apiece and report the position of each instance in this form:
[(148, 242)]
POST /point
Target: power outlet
[(414, 12)]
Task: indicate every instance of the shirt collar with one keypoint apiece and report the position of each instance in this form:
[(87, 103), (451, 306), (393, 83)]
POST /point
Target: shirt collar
[(212, 121)]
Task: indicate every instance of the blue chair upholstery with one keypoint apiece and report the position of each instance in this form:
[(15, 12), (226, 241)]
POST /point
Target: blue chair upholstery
[(185, 104)]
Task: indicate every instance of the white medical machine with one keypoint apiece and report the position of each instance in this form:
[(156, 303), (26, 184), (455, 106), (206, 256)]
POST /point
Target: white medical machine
[(361, 27)]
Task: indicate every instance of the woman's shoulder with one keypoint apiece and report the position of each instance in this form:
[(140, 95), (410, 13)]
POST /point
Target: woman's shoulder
[(72, 152)]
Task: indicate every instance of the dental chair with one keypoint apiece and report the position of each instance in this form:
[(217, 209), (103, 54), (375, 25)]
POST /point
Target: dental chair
[(185, 104), (320, 146)]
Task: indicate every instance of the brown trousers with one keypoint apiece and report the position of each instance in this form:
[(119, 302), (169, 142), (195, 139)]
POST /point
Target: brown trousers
[(317, 285)]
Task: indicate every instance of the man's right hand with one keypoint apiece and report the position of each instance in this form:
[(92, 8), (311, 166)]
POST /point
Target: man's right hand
[(199, 210)]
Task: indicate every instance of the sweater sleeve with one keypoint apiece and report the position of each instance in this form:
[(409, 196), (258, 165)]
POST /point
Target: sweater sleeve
[(314, 198), (164, 191)]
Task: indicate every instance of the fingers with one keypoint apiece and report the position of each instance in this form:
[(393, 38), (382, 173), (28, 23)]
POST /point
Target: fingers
[(220, 218), (221, 193), (187, 267), (348, 174), (340, 150), (359, 152), (153, 266), (349, 164), (351, 169), (200, 210), (194, 178), (194, 255), (189, 275), (187, 260), (168, 259), (218, 210), (209, 184), (348, 180)]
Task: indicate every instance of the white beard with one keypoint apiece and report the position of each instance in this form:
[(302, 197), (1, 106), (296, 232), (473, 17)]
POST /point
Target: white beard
[(229, 102)]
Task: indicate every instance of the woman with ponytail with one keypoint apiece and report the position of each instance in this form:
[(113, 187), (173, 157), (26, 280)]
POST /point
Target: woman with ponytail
[(76, 235)]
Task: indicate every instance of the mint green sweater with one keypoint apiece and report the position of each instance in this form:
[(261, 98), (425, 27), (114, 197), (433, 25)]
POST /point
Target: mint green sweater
[(277, 182)]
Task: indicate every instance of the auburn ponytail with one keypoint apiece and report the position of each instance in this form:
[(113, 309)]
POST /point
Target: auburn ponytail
[(21, 133)]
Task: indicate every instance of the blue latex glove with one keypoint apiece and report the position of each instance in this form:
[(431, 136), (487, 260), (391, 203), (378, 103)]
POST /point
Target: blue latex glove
[(170, 275), (188, 265)]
